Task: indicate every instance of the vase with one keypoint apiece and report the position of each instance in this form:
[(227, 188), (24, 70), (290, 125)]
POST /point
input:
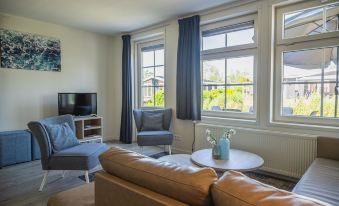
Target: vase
[(224, 145), (216, 152)]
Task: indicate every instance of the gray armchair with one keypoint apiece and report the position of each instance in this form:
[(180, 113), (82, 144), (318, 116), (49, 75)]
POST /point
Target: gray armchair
[(154, 137), (81, 157)]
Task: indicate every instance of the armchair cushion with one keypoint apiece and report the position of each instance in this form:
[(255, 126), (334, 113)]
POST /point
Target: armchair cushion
[(149, 138), (61, 136), (80, 157), (152, 121)]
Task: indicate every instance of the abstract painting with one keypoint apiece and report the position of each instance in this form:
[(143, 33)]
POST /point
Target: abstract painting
[(29, 51)]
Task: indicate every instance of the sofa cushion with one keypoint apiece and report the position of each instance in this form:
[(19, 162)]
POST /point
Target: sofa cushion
[(81, 157), (61, 136), (321, 181), (114, 191), (152, 121), (186, 184), (148, 138), (236, 189)]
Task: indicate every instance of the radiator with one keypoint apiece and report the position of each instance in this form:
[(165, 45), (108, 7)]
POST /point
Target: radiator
[(284, 153)]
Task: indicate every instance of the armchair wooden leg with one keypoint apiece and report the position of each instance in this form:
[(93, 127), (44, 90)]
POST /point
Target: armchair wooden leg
[(44, 179), (86, 176), (63, 173), (169, 150)]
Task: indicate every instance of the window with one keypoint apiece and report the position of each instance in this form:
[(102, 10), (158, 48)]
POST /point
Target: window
[(228, 69), (152, 74), (307, 71), (228, 36), (311, 21)]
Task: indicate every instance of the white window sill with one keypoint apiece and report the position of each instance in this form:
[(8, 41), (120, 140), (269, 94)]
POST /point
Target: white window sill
[(297, 125), (227, 120)]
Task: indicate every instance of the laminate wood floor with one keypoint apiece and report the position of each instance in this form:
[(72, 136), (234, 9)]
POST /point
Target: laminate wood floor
[(19, 183)]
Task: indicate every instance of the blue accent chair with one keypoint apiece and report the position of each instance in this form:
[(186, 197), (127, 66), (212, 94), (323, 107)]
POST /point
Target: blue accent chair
[(81, 157), (154, 138), (35, 149), (15, 147)]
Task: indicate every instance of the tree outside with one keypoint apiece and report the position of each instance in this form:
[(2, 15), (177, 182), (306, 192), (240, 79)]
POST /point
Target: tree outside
[(159, 99)]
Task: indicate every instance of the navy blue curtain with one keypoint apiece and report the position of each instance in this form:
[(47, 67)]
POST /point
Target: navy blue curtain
[(126, 114), (188, 70)]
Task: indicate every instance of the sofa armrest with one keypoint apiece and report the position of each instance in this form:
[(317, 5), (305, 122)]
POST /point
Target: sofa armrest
[(328, 147)]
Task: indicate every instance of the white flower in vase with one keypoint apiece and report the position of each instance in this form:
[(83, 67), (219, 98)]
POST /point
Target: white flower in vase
[(210, 138)]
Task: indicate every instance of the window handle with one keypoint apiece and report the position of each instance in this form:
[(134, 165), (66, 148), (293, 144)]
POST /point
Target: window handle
[(336, 90)]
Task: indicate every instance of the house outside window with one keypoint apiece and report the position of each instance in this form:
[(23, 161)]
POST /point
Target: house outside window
[(229, 57), (306, 64), (151, 81)]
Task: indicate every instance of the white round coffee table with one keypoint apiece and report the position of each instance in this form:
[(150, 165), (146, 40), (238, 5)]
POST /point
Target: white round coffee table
[(182, 159), (239, 160)]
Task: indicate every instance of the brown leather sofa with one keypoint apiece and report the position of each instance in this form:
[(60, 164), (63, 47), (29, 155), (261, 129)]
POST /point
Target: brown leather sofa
[(131, 179)]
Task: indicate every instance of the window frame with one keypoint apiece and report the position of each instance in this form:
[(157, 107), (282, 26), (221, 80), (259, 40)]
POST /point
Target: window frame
[(294, 8), (139, 86), (232, 52), (324, 40)]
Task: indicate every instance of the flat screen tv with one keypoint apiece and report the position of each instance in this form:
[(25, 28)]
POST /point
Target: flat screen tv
[(77, 104)]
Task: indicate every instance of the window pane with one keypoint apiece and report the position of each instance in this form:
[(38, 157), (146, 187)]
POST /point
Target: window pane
[(303, 23), (213, 72), (329, 100), (301, 99), (213, 42), (240, 37), (159, 76), (147, 76), (302, 66), (239, 99), (330, 64), (159, 57), (159, 97), (213, 98), (332, 15), (147, 96), (240, 70), (148, 58)]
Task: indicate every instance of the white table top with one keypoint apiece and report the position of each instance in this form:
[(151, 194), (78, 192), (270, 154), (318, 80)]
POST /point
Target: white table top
[(239, 160)]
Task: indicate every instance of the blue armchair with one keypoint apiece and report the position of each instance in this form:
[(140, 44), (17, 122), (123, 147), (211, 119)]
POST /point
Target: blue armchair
[(80, 157), (154, 137)]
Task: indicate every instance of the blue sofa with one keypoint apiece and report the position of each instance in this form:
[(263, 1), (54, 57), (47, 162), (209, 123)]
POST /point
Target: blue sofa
[(17, 147)]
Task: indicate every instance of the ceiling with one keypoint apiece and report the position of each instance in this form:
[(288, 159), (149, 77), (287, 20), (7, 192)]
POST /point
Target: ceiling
[(106, 16)]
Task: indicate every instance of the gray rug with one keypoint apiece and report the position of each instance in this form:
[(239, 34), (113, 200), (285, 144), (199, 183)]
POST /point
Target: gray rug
[(269, 179)]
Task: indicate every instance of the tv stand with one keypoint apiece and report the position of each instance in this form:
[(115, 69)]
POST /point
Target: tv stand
[(88, 128)]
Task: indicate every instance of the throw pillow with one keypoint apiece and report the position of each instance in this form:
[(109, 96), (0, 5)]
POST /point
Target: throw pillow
[(152, 121), (61, 136)]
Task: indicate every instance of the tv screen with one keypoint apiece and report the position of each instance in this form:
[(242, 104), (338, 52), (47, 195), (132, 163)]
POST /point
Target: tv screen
[(78, 104)]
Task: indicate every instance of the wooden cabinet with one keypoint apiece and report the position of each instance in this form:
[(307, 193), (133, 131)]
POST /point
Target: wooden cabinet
[(88, 128)]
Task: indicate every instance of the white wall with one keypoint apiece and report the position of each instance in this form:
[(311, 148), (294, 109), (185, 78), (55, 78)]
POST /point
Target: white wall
[(29, 95), (185, 129)]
